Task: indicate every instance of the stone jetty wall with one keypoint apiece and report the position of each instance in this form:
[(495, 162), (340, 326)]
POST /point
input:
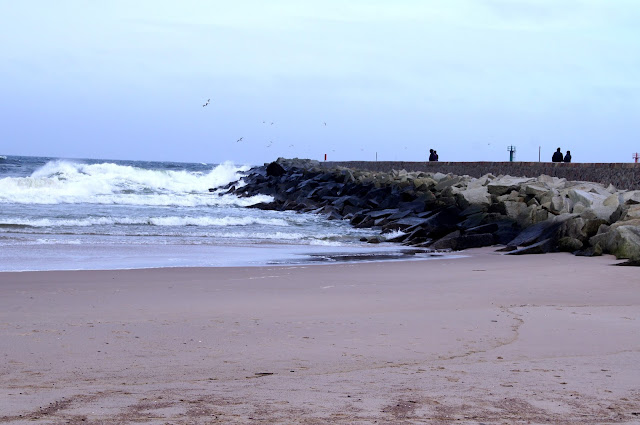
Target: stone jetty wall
[(437, 210), (621, 175)]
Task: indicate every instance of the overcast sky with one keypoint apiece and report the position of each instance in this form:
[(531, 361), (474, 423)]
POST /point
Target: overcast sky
[(125, 79)]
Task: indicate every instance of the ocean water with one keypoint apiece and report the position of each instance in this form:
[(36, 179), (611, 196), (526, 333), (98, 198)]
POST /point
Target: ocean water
[(69, 214)]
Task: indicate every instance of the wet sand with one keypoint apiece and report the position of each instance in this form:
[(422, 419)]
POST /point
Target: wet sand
[(487, 339)]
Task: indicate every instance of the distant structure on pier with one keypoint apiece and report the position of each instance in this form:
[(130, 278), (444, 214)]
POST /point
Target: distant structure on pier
[(512, 153)]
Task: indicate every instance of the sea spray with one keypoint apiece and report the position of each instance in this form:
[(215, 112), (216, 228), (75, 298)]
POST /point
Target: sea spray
[(109, 183)]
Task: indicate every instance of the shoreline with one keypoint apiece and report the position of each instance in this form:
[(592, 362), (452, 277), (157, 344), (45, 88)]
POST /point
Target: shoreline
[(121, 257), (484, 338)]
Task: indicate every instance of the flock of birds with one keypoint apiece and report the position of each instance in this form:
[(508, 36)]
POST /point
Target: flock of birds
[(263, 122)]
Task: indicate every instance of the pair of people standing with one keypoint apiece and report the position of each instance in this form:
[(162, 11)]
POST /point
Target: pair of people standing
[(433, 155), (557, 156)]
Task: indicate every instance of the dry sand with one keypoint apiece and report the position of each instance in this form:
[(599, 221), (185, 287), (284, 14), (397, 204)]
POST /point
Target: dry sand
[(485, 339)]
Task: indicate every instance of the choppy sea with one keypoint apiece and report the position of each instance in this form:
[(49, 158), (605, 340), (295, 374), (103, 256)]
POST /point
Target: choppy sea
[(84, 214)]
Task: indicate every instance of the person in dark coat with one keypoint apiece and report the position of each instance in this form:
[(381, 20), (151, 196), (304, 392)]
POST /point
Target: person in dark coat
[(432, 155), (557, 156), (567, 157), (435, 154)]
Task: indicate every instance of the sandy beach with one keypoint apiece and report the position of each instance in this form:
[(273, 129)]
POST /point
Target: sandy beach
[(485, 339)]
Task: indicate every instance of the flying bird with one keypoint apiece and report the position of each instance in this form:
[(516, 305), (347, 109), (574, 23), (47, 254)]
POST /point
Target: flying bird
[(239, 140), (206, 103)]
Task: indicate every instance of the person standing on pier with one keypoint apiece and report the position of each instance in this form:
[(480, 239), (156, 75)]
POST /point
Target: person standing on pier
[(557, 156)]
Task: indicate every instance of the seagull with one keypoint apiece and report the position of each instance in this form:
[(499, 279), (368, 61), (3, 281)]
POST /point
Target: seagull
[(239, 140), (208, 100), (325, 123)]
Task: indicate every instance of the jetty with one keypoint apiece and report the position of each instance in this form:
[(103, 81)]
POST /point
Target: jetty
[(427, 205)]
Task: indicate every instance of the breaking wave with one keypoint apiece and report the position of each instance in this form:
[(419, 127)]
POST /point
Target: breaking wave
[(68, 182)]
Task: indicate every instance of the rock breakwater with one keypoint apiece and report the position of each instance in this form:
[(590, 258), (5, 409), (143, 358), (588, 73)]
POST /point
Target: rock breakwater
[(450, 212)]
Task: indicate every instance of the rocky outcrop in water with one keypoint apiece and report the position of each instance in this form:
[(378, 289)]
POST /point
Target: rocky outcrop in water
[(449, 212)]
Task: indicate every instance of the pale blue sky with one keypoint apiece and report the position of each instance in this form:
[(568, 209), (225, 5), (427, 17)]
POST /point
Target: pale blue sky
[(127, 79)]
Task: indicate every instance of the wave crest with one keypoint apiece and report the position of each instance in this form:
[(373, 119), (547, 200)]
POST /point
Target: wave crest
[(70, 182)]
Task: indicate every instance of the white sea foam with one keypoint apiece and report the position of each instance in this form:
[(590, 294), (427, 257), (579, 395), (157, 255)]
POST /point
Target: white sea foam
[(267, 236), (58, 242), (328, 238), (323, 242), (153, 221), (394, 234), (107, 183)]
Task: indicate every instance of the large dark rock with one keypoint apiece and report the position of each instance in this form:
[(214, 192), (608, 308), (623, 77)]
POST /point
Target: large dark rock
[(349, 201), (484, 228), (366, 223), (535, 233), (632, 263), (382, 213), (442, 222), (449, 241), (475, 240), (473, 220), (405, 223), (569, 244), (621, 239), (333, 215), (413, 206), (359, 218), (507, 248), (541, 247), (275, 169), (400, 214), (591, 227), (266, 206), (350, 211), (458, 242), (417, 236), (591, 251), (472, 209), (391, 201), (507, 231)]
